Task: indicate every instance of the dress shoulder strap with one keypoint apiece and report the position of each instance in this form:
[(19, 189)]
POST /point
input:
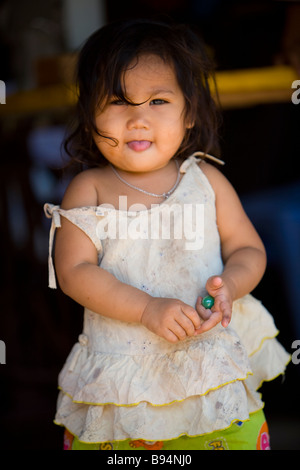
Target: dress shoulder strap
[(196, 157), (208, 156), (84, 217)]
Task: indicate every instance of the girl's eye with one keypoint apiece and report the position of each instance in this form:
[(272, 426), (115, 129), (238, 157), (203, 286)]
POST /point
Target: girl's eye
[(117, 102), (158, 101)]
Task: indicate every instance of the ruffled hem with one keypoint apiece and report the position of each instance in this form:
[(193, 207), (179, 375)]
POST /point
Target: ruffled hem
[(121, 379), (193, 417), (253, 323), (274, 356), (256, 328)]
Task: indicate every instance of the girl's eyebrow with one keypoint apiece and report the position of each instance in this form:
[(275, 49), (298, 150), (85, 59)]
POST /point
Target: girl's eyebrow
[(157, 91), (161, 90)]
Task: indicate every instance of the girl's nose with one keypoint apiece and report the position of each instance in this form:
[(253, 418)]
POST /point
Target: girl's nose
[(137, 118)]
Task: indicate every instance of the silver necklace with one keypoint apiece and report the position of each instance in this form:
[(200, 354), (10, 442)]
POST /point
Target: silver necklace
[(165, 195)]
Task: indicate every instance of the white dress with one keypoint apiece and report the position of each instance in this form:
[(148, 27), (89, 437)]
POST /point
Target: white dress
[(122, 381)]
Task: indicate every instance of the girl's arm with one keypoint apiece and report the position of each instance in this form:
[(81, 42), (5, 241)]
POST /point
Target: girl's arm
[(76, 262), (80, 277), (243, 252)]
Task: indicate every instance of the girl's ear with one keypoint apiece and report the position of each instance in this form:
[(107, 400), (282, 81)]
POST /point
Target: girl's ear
[(190, 125), (190, 122)]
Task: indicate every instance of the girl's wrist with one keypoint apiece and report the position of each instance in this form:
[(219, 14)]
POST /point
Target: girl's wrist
[(144, 310), (230, 284), (129, 301)]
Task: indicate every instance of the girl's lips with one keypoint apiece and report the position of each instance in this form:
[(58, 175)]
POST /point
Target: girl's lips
[(139, 145)]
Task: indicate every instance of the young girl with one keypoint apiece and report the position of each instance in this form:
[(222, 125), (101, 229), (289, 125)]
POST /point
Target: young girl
[(145, 232)]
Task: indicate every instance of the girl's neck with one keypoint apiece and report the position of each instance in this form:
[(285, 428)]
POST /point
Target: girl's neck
[(164, 194)]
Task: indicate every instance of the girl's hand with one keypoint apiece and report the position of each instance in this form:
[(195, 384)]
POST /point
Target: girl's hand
[(171, 319), (222, 308)]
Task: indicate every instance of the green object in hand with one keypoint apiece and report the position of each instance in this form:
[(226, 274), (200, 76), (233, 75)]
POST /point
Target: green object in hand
[(207, 301)]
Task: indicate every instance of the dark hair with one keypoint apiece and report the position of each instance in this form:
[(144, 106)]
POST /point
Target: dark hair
[(101, 65)]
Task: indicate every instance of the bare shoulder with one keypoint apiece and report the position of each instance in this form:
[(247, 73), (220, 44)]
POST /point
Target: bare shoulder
[(227, 199), (217, 179), (83, 189), (234, 225)]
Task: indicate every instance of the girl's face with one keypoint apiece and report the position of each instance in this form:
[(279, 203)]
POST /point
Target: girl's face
[(149, 134)]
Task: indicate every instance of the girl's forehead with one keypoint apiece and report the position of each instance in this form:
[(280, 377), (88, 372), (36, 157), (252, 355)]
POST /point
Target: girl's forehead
[(150, 69)]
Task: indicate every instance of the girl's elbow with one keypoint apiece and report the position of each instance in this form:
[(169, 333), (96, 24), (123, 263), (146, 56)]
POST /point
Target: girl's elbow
[(260, 260), (64, 281), (264, 259), (263, 254)]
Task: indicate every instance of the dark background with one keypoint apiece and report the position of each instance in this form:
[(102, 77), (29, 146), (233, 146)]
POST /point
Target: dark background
[(260, 145)]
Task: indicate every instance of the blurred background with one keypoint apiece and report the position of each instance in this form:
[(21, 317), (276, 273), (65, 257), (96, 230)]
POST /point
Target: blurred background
[(256, 47)]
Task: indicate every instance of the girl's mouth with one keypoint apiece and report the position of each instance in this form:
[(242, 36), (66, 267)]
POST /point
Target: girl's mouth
[(139, 145)]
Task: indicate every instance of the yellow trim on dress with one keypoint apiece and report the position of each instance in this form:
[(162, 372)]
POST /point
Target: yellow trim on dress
[(265, 338), (153, 404)]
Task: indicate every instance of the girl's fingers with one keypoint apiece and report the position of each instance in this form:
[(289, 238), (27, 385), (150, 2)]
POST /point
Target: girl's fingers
[(204, 313), (179, 330), (170, 336), (213, 283), (184, 323), (226, 313), (190, 319), (212, 321)]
